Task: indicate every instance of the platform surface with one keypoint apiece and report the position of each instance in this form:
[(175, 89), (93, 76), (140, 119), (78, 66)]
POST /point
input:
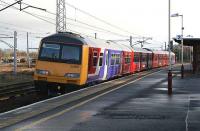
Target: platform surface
[(143, 105)]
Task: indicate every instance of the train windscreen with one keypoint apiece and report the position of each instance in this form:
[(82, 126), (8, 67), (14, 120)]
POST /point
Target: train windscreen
[(60, 53)]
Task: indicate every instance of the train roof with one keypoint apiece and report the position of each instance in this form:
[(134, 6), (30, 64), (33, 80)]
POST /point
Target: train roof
[(138, 49), (61, 37), (68, 37), (106, 44), (98, 43), (163, 52), (160, 52)]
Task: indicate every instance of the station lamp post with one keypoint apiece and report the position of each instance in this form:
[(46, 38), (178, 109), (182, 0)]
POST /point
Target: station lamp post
[(182, 28), (169, 39)]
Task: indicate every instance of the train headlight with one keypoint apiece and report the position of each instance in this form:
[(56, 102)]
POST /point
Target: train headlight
[(42, 72), (72, 75)]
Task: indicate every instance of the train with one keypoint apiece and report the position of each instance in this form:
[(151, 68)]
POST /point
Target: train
[(67, 60)]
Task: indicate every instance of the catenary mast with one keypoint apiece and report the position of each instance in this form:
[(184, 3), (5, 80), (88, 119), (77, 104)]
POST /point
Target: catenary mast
[(60, 16)]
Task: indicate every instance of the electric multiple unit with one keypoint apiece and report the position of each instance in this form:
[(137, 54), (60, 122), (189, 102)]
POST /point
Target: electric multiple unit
[(66, 60)]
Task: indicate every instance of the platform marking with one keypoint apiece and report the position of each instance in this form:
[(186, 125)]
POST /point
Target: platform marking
[(54, 98), (78, 105), (186, 119)]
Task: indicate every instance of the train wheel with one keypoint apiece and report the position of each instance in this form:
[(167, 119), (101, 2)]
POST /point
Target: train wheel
[(63, 90), (41, 88)]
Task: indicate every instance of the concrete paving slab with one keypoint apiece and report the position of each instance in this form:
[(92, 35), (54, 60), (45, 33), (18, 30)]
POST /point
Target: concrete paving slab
[(140, 106)]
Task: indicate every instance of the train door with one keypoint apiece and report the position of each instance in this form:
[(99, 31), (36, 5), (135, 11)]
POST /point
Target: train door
[(148, 60), (94, 55), (121, 62), (106, 65), (132, 69), (140, 65)]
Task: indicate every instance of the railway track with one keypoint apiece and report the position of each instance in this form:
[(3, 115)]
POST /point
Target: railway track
[(18, 95), (14, 90)]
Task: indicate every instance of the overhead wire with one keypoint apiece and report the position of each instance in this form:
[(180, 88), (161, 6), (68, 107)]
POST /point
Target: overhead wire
[(43, 18), (101, 20), (98, 29), (80, 22), (47, 11), (22, 29), (32, 14), (80, 10)]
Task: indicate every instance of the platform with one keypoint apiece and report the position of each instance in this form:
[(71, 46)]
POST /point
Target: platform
[(141, 105)]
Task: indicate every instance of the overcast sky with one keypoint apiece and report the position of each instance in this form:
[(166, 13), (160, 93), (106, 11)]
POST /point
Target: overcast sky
[(141, 17)]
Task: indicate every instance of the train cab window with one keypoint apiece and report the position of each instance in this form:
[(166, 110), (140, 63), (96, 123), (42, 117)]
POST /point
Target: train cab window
[(60, 53), (71, 53), (95, 58), (101, 59), (50, 51)]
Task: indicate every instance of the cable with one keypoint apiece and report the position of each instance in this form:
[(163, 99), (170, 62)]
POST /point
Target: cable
[(101, 20), (99, 29), (44, 11), (34, 15), (89, 15), (12, 29), (39, 17), (26, 29)]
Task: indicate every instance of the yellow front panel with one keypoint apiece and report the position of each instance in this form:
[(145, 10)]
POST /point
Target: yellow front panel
[(84, 67), (58, 70)]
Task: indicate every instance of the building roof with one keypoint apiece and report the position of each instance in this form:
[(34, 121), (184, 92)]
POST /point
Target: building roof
[(189, 41)]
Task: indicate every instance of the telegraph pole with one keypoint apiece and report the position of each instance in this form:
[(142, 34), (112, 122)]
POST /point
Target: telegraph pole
[(60, 16), (131, 41), (28, 58), (182, 66), (15, 53), (95, 35)]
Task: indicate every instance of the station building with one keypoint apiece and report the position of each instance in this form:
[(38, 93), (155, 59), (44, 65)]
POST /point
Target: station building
[(195, 43)]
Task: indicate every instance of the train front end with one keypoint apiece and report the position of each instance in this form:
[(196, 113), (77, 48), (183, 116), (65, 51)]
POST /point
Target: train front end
[(62, 63)]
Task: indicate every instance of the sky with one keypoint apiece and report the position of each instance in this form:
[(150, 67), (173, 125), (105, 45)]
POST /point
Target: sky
[(148, 18)]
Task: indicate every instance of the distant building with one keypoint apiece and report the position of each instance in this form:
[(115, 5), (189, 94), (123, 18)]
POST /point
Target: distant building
[(195, 43)]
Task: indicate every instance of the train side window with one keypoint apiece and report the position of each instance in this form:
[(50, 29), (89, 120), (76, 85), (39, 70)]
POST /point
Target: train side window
[(95, 53), (95, 58), (143, 57), (156, 57), (101, 59), (127, 59), (113, 59), (136, 57), (117, 59)]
